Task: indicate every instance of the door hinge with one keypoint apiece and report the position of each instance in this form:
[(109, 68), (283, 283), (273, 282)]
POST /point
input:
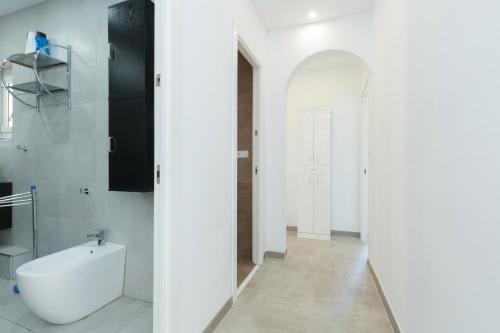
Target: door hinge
[(256, 171), (256, 133), (158, 174), (158, 80)]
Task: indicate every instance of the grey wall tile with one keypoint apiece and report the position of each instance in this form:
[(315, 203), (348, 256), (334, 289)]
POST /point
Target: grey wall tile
[(68, 149)]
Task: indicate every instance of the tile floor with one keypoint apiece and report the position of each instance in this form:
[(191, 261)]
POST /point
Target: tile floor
[(125, 315), (322, 287)]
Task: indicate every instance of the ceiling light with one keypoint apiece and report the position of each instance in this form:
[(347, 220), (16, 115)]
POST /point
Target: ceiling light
[(313, 14)]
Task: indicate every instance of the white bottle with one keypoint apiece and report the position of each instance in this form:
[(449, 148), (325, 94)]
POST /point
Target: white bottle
[(31, 42)]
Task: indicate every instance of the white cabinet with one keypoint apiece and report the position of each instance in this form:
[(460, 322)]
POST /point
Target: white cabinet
[(308, 138), (322, 138), (314, 207), (316, 138), (306, 204), (322, 205), (314, 211)]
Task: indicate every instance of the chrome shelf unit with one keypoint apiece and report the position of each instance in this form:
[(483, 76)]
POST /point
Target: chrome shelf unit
[(39, 62), (22, 199)]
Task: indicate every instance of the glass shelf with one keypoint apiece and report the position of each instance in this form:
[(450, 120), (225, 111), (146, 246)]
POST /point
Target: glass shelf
[(36, 89), (38, 62), (44, 61)]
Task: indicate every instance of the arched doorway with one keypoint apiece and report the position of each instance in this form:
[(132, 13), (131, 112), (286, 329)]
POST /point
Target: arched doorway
[(327, 146)]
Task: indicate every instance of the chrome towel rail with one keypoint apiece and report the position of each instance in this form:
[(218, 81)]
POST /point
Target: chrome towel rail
[(14, 198), (23, 199)]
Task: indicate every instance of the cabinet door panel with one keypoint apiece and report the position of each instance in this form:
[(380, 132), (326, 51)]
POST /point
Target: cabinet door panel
[(322, 199), (307, 138), (131, 156), (130, 35), (306, 204), (322, 138)]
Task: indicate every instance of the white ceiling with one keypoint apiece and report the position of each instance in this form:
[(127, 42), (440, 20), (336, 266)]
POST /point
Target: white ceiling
[(11, 6), (279, 14)]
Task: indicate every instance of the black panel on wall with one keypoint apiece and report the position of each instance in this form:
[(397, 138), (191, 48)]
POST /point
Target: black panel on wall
[(131, 96), (130, 164), (5, 213)]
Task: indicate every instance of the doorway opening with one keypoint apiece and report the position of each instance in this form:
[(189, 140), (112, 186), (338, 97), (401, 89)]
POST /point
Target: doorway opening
[(248, 249), (245, 171), (327, 147)]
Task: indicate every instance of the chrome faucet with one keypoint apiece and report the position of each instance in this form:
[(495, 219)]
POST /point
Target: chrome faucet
[(100, 235)]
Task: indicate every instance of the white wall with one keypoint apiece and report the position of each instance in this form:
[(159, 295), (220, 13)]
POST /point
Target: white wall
[(338, 86), (287, 49), (199, 70), (434, 221)]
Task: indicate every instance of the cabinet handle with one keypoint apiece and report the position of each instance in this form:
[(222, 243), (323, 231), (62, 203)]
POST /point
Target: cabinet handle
[(112, 145), (111, 52)]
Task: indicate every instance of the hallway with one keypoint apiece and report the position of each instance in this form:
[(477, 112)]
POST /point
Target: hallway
[(322, 287)]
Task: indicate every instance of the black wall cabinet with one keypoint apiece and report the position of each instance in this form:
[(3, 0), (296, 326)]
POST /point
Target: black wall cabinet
[(5, 213), (131, 96)]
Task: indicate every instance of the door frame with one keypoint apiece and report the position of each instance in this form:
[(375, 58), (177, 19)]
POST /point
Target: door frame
[(161, 306), (364, 169), (239, 45)]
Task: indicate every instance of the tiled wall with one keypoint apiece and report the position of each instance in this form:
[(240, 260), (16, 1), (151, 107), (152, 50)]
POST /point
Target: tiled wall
[(68, 149), (245, 134)]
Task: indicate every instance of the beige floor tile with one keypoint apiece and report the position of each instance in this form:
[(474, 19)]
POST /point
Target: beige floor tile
[(321, 287)]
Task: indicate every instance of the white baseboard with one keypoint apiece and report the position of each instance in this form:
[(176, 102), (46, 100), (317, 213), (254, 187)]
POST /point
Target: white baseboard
[(388, 309), (247, 280), (314, 236), (219, 316)]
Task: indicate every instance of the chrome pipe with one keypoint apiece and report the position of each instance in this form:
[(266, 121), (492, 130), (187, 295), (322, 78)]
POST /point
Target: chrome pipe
[(23, 199), (3, 202), (6, 86), (35, 221), (15, 205), (28, 200), (15, 198), (15, 195)]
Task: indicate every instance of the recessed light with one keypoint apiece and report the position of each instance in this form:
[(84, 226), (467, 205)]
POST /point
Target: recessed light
[(313, 14)]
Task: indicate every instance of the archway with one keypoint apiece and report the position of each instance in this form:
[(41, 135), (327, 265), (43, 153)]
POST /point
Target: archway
[(327, 92)]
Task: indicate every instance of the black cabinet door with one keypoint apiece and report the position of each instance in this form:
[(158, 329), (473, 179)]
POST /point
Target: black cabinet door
[(5, 213), (131, 96), (131, 156), (131, 39)]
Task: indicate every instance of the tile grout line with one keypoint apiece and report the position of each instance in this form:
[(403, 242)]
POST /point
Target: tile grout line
[(119, 329), (17, 324)]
